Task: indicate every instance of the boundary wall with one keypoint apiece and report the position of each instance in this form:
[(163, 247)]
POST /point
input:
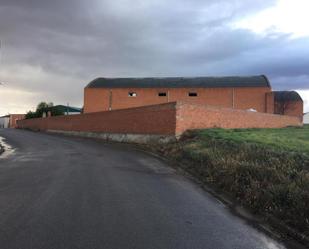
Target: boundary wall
[(155, 122), (191, 117)]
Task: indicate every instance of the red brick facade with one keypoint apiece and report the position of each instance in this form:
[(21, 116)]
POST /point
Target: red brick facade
[(103, 99), (14, 118), (292, 108), (164, 119), (270, 103), (288, 103)]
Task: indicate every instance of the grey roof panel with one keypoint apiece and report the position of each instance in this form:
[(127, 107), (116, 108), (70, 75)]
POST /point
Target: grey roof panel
[(180, 82), (68, 108), (64, 108), (281, 96)]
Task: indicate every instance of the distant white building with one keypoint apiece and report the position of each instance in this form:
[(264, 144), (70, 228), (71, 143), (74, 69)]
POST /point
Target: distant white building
[(306, 118), (5, 121)]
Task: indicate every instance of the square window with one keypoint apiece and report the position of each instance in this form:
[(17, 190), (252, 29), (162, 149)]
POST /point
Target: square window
[(162, 94), (132, 94), (192, 94)]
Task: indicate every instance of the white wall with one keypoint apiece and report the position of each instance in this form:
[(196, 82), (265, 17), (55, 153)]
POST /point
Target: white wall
[(306, 118), (72, 113), (4, 122)]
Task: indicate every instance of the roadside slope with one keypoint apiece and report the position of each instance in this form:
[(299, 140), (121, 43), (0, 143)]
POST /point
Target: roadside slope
[(265, 170)]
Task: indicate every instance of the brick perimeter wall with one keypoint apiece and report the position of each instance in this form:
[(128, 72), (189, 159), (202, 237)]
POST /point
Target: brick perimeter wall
[(157, 119), (164, 119), (190, 116)]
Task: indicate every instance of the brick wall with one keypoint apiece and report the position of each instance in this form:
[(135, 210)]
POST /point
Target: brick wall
[(290, 108), (13, 119), (190, 116), (157, 119), (270, 103), (102, 99), (163, 119)]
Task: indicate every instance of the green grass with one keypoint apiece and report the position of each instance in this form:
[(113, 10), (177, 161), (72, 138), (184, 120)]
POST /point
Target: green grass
[(266, 170), (290, 139)]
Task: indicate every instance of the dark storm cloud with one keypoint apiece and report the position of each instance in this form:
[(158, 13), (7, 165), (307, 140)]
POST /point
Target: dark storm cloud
[(70, 42)]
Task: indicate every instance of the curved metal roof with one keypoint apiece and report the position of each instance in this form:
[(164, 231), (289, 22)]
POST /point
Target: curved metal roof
[(181, 82), (64, 108), (281, 96)]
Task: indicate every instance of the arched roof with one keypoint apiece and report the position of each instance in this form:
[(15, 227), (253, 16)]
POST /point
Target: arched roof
[(181, 82), (283, 96)]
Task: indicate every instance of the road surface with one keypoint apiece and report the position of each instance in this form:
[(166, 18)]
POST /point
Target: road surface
[(62, 193)]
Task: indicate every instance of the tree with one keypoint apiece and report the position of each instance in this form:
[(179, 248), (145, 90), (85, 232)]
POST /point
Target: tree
[(31, 114), (56, 112), (282, 107), (285, 101), (44, 107)]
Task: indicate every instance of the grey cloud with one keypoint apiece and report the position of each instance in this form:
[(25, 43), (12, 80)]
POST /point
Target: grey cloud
[(75, 41)]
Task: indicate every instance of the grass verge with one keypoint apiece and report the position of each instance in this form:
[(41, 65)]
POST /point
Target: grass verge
[(265, 170)]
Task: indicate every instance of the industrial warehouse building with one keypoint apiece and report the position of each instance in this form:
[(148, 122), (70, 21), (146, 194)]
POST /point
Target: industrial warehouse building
[(155, 109), (288, 103), (10, 120), (5, 121), (246, 93)]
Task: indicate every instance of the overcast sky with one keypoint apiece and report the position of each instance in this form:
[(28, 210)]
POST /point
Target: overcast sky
[(51, 49)]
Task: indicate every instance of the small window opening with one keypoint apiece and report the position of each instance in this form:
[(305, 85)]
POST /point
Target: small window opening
[(162, 94), (192, 94), (132, 94)]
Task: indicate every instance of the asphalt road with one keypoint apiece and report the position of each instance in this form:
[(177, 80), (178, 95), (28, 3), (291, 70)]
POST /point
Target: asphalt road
[(60, 192)]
